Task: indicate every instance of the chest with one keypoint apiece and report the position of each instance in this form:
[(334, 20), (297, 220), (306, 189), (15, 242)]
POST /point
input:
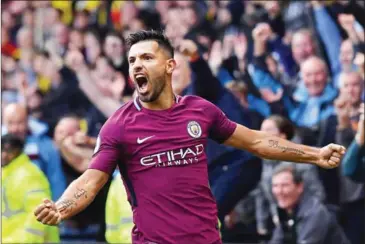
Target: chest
[(153, 140)]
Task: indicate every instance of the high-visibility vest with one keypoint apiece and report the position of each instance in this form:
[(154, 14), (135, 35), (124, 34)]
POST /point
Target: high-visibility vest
[(118, 216), (24, 186)]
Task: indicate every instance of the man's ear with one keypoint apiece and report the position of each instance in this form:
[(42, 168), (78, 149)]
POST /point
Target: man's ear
[(170, 65)]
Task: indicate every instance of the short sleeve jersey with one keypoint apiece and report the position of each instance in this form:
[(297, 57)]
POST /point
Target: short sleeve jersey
[(162, 161)]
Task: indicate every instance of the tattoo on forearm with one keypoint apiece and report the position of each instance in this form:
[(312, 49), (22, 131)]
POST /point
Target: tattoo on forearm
[(79, 193), (66, 205), (275, 144)]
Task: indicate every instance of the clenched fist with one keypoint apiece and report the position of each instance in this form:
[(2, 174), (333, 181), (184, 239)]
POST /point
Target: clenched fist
[(47, 213), (330, 156), (262, 32), (347, 21), (188, 48)]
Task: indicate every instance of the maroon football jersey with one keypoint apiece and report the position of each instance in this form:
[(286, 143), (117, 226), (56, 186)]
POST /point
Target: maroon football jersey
[(161, 157)]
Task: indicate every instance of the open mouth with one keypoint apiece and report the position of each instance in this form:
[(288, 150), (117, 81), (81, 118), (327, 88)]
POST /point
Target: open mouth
[(142, 82)]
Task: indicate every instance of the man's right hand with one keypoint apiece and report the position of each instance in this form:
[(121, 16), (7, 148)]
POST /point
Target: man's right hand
[(47, 213), (80, 138), (188, 48), (262, 33), (347, 21), (342, 106), (75, 60)]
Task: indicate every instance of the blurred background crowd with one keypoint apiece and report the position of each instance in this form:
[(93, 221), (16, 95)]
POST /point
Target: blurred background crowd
[(291, 68)]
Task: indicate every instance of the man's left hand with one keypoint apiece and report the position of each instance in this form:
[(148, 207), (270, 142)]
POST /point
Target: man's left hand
[(330, 156)]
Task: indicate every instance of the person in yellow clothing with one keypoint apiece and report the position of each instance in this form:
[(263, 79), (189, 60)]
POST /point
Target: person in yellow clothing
[(23, 186), (118, 216)]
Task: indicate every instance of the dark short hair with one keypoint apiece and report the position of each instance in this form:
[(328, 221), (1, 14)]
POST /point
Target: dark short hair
[(42, 52), (284, 125), (153, 35), (83, 12), (95, 33), (297, 176), (114, 33), (12, 141), (108, 60)]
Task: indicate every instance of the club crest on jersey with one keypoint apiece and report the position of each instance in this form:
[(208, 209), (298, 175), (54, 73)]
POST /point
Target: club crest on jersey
[(194, 129)]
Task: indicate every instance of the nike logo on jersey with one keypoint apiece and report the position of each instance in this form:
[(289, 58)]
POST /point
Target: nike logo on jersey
[(140, 141)]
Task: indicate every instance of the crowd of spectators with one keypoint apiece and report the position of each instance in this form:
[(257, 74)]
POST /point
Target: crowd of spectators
[(291, 68)]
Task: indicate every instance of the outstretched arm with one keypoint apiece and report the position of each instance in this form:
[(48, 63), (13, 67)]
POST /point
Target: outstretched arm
[(79, 194), (205, 84), (272, 147), (106, 104)]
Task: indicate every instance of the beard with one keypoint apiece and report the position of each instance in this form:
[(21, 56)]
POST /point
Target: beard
[(157, 87)]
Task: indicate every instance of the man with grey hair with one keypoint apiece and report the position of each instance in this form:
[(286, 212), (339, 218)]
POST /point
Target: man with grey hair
[(340, 127), (352, 84), (304, 44), (309, 108), (347, 105), (302, 218)]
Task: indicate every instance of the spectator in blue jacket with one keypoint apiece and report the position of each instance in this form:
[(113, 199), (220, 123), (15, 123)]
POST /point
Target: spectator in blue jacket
[(39, 147), (228, 60), (304, 45), (313, 106), (316, 104), (340, 53)]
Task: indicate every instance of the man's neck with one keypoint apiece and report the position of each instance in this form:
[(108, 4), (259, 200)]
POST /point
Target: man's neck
[(4, 164), (165, 101), (290, 211), (354, 108), (8, 162)]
